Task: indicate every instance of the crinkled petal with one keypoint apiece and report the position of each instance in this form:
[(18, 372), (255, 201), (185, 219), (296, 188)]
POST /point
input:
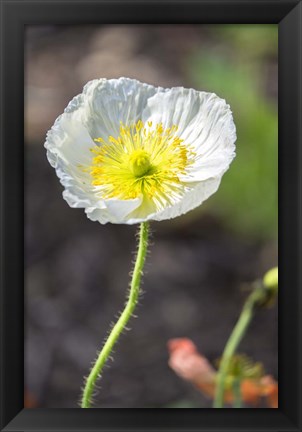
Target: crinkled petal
[(113, 210), (204, 122), (191, 199), (105, 104), (68, 147), (195, 196)]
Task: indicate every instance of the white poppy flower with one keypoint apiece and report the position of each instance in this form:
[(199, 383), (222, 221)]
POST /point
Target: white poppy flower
[(128, 152)]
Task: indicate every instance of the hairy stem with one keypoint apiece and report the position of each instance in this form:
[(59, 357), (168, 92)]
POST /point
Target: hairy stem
[(123, 319), (237, 393), (234, 340)]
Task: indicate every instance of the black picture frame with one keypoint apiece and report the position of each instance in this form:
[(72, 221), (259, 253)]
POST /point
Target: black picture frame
[(15, 15)]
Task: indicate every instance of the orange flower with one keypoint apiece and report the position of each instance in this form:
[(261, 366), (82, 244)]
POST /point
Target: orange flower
[(190, 365)]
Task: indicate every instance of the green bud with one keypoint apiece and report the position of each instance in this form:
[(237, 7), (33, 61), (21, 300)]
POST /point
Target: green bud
[(270, 279)]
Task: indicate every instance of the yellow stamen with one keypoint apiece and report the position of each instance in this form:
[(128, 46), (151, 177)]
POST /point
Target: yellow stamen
[(144, 160)]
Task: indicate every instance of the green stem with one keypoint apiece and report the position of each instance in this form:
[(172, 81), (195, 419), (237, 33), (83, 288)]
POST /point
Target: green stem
[(234, 340), (237, 393), (123, 319)]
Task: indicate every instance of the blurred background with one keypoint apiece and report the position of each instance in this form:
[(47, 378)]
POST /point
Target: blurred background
[(196, 277)]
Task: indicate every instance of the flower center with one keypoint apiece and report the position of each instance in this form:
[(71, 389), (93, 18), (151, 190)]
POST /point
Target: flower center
[(143, 161), (140, 162)]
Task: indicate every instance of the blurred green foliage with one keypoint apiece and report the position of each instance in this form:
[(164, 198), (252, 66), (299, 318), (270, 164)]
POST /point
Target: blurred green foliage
[(235, 65)]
